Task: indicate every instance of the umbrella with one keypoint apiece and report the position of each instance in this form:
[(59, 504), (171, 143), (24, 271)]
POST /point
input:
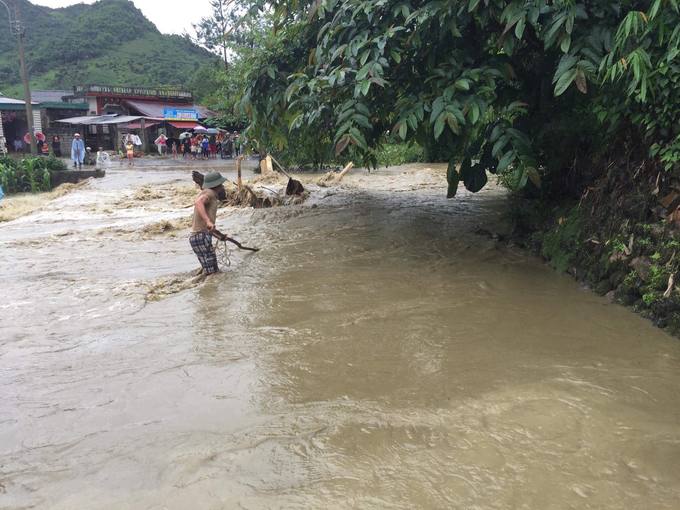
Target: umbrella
[(200, 129), (40, 136), (184, 135), (213, 131)]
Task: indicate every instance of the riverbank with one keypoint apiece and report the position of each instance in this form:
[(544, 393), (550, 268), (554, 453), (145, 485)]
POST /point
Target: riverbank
[(621, 239)]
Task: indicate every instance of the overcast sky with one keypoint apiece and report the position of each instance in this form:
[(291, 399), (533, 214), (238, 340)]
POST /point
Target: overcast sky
[(170, 16)]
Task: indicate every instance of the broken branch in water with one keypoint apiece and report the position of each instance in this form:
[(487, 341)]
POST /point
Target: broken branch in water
[(342, 174)]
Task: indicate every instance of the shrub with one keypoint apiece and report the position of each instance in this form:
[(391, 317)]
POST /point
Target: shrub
[(399, 154), (29, 174)]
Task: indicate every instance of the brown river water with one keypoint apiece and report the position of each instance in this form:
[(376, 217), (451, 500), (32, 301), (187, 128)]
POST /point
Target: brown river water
[(377, 353)]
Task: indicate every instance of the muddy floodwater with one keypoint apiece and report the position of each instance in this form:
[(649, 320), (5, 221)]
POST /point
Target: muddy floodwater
[(378, 352)]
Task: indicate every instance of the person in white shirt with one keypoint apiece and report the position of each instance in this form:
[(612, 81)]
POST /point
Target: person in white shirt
[(103, 160), (161, 143)]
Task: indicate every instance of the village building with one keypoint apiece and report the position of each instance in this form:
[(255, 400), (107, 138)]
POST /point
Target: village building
[(54, 108), (48, 108), (13, 125), (115, 111), (103, 115)]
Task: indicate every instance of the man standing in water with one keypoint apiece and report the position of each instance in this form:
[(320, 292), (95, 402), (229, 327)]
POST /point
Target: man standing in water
[(205, 214)]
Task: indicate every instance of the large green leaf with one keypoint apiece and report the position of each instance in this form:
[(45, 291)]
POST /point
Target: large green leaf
[(565, 80), (506, 161), (439, 125)]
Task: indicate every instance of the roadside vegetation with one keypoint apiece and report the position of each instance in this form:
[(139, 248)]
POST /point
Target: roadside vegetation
[(29, 174)]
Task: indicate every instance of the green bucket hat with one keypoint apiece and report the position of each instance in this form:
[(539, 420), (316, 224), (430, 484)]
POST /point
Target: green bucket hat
[(213, 179)]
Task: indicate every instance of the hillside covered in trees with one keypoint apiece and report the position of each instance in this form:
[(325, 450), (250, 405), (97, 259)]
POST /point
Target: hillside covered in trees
[(109, 41)]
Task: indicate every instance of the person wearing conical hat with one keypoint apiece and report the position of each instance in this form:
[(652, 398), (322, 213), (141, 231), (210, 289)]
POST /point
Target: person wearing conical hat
[(203, 224)]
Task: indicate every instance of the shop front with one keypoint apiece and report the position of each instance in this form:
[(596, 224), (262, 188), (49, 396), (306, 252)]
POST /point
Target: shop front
[(13, 127)]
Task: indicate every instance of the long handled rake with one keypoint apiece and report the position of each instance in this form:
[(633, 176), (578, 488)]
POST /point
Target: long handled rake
[(222, 237)]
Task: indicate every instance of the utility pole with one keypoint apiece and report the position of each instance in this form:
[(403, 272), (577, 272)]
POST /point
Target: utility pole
[(18, 29)]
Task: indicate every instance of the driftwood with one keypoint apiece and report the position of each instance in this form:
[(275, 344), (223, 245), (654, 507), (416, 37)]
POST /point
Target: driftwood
[(344, 172), (243, 195), (294, 187), (249, 197), (334, 178)]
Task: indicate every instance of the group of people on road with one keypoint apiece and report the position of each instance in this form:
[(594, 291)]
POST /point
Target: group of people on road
[(197, 146), (232, 145), (200, 146), (42, 145), (80, 154)]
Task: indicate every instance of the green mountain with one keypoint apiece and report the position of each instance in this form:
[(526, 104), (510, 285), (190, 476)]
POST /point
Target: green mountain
[(108, 42)]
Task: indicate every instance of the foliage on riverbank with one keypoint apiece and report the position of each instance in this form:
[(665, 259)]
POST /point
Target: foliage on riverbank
[(30, 174), (526, 90), (394, 154), (622, 237)]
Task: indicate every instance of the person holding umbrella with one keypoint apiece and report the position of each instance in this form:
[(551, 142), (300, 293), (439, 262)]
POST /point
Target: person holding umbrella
[(77, 152), (185, 140), (41, 142)]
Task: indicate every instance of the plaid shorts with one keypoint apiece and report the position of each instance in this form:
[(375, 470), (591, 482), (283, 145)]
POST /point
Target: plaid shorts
[(201, 243)]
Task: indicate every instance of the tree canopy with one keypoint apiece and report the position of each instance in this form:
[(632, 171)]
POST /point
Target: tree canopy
[(522, 89)]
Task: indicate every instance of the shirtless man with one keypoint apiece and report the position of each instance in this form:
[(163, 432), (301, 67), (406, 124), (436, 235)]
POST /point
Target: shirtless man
[(205, 213)]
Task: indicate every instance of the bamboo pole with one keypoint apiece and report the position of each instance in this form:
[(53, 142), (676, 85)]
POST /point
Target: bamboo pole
[(239, 181), (283, 171)]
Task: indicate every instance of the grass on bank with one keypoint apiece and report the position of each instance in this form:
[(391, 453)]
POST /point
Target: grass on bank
[(27, 185)]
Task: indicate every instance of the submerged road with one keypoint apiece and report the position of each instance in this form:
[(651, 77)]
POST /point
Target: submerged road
[(375, 354)]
